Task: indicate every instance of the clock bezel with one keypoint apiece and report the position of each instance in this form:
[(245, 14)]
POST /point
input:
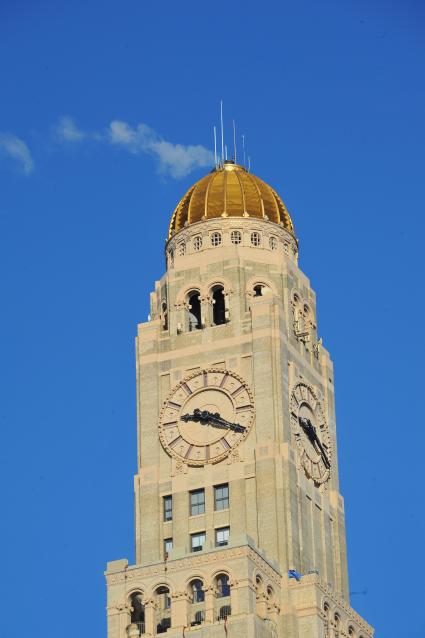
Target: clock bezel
[(185, 380), (304, 457)]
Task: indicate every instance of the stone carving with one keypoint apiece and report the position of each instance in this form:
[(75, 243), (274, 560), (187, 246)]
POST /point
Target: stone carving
[(317, 348), (303, 320)]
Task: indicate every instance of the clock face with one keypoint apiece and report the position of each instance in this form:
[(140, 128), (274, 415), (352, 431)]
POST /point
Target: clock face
[(206, 416), (311, 432)]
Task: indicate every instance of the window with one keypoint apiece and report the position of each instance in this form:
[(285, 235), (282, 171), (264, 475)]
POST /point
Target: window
[(258, 290), (163, 626), (222, 586), (273, 243), (222, 536), (197, 502), (255, 238), (236, 237), (197, 594), (182, 249), (194, 311), (163, 610), (197, 243), (168, 546), (197, 541), (163, 597), (168, 508), (215, 239), (138, 611), (218, 309), (199, 619), (164, 316), (221, 497), (224, 612)]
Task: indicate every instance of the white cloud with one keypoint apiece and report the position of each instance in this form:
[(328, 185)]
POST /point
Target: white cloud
[(176, 159), (67, 130), (16, 148)]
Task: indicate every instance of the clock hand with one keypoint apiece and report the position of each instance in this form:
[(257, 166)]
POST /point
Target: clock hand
[(310, 430), (216, 419), (205, 416)]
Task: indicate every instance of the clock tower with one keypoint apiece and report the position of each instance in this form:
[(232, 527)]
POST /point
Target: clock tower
[(239, 521)]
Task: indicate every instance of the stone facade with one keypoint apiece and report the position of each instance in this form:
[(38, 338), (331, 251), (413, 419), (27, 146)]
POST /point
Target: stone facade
[(280, 514)]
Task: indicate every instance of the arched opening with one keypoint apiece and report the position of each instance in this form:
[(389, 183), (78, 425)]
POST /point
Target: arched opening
[(224, 612), (197, 598), (194, 311), (218, 308), (164, 316), (138, 611), (258, 290), (197, 594), (222, 586), (163, 609), (222, 607)]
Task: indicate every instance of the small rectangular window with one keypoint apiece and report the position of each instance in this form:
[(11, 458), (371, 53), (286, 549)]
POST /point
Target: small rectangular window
[(222, 536), (221, 497), (197, 541), (197, 502), (168, 508), (168, 546)]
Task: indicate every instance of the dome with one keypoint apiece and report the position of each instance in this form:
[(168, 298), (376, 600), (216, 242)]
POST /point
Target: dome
[(229, 191)]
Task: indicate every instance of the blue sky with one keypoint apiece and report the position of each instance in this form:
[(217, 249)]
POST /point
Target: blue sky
[(105, 120)]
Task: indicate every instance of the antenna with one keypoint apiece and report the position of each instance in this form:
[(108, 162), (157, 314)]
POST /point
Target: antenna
[(243, 148), (249, 164), (215, 147), (222, 131), (225, 148), (234, 140)]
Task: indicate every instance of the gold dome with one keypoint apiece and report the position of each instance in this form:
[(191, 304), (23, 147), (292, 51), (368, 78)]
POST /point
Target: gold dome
[(229, 191)]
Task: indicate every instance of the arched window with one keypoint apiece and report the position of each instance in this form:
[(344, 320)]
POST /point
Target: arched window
[(218, 308), (236, 237), (182, 248), (197, 594), (255, 238), (215, 239), (197, 243), (259, 582), (222, 586), (198, 618), (224, 612), (137, 611), (163, 609), (194, 311), (351, 631), (273, 243), (258, 290), (197, 598), (270, 593), (164, 316)]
